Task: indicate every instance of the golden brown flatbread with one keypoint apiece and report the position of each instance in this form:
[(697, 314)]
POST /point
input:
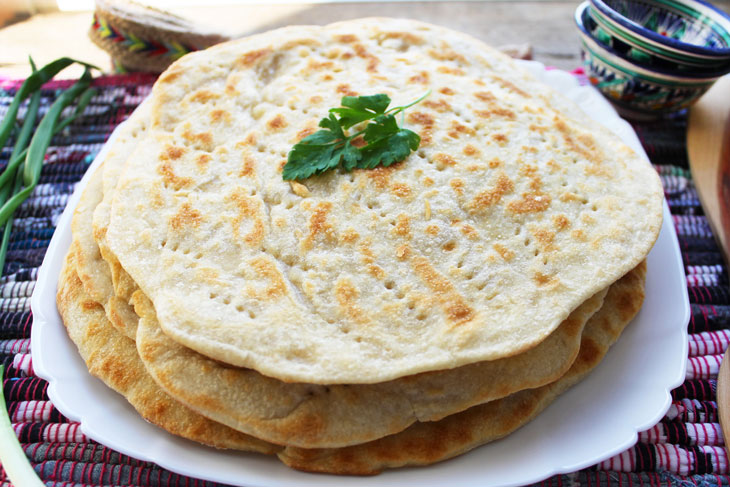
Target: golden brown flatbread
[(430, 442), (475, 247), (113, 358)]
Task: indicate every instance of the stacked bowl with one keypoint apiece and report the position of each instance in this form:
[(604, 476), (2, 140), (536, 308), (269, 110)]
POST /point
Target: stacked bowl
[(653, 57)]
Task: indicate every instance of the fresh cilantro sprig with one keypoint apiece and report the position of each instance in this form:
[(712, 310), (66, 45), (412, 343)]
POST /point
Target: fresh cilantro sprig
[(383, 141)]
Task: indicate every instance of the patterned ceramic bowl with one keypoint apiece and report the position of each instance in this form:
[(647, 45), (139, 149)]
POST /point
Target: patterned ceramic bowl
[(688, 31), (636, 90), (607, 37)]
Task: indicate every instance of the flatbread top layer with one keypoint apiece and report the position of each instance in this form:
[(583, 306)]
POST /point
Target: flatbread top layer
[(475, 247)]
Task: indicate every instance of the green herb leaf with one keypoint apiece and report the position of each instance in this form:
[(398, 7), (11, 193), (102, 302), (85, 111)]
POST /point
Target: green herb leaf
[(386, 142), (357, 109)]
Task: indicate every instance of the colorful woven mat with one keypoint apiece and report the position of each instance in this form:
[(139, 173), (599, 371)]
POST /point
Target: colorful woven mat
[(686, 447)]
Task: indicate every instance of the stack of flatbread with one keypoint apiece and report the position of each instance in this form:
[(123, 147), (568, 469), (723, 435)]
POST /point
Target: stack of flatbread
[(355, 321)]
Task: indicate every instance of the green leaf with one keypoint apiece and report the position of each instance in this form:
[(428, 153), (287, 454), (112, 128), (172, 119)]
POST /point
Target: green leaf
[(333, 125), (389, 149), (313, 155), (357, 109), (386, 142), (351, 155), (374, 103), (382, 126)]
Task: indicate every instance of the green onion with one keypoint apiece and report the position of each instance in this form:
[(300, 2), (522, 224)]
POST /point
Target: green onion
[(16, 160), (15, 463), (6, 189), (39, 144), (29, 86), (16, 176)]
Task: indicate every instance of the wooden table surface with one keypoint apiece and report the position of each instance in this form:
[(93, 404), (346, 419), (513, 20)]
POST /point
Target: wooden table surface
[(547, 25)]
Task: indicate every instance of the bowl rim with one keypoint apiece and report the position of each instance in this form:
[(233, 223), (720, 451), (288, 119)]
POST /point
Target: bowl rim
[(646, 45), (655, 75), (703, 8)]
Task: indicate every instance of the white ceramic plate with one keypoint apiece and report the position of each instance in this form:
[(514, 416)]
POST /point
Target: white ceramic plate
[(598, 418)]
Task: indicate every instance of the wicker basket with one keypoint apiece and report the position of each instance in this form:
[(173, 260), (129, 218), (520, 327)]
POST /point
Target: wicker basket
[(141, 38)]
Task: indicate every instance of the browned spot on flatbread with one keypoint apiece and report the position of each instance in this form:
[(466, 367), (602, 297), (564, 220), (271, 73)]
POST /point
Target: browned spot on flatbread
[(490, 197), (544, 238), (579, 235), (173, 152), (583, 144), (277, 123), (500, 138), (250, 138), (203, 160), (441, 106), (408, 37), (170, 179), (347, 38), (186, 216), (530, 202), (503, 251), (445, 53), (508, 85), (561, 221), (171, 74), (420, 78), (347, 296), (368, 258), (470, 150), (402, 226), (401, 190), (544, 280), (487, 96), (318, 224), (455, 307), (252, 57), (444, 159), (217, 116), (247, 209), (305, 132), (202, 140), (496, 112), (268, 270), (90, 305), (349, 236), (421, 118), (403, 252), (458, 129), (446, 91), (372, 61), (345, 89), (452, 71), (380, 176), (570, 196), (204, 96), (314, 65), (249, 166), (469, 231), (457, 184)]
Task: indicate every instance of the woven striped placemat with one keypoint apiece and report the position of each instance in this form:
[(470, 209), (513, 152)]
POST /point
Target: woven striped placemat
[(685, 447)]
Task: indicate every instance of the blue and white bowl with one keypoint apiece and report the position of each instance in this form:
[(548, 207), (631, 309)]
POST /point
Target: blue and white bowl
[(636, 90), (692, 32), (643, 57)]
